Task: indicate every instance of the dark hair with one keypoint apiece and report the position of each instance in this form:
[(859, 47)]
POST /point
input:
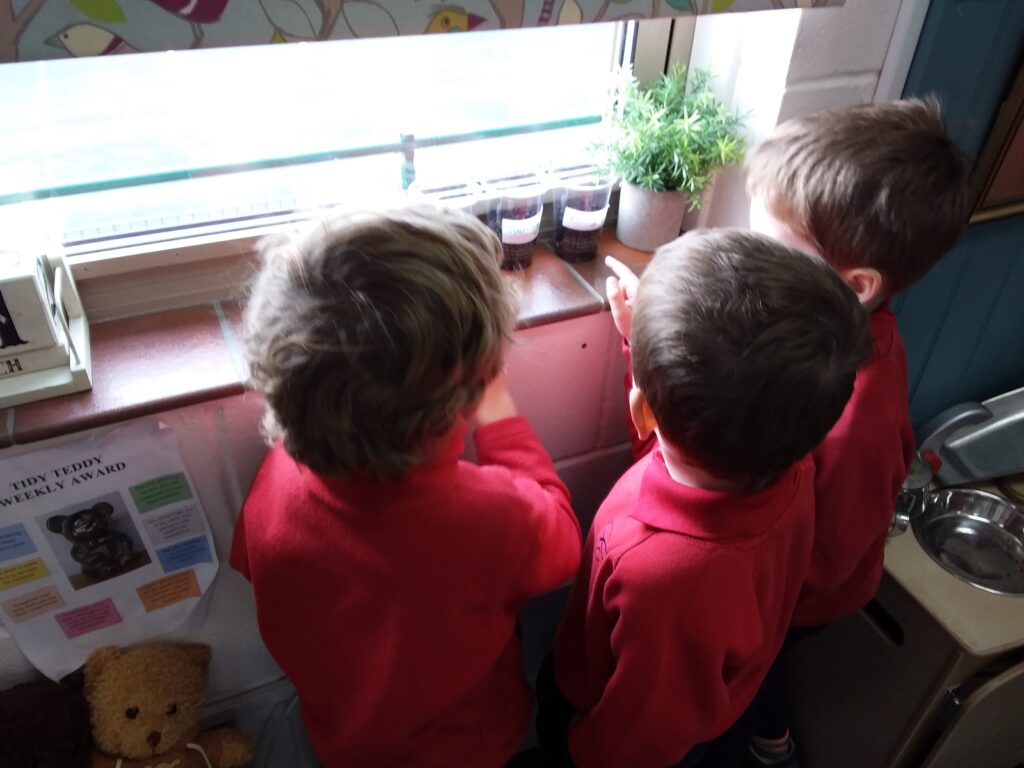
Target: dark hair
[(878, 185), (746, 351), (368, 335)]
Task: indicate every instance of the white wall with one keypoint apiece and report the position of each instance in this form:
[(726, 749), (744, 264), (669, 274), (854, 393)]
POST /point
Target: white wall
[(786, 63)]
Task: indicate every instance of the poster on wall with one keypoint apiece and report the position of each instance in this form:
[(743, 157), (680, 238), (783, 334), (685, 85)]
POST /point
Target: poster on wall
[(33, 30), (102, 541)]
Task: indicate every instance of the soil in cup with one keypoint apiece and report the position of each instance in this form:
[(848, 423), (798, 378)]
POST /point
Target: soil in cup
[(579, 217), (516, 221)]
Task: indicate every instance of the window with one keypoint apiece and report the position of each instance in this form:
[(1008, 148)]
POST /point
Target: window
[(126, 150)]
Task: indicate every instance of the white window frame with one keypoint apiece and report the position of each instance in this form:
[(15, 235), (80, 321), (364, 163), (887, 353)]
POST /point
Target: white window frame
[(129, 279)]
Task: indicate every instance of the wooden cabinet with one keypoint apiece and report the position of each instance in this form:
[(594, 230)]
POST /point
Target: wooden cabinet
[(891, 687)]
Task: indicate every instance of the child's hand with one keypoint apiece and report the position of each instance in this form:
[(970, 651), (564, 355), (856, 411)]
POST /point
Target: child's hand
[(621, 290), (497, 403)]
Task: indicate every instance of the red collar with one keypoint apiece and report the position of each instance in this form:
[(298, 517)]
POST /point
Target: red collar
[(714, 515), (437, 471), (883, 331)]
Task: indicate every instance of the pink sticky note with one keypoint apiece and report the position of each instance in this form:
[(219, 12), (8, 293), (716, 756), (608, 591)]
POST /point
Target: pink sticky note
[(88, 618)]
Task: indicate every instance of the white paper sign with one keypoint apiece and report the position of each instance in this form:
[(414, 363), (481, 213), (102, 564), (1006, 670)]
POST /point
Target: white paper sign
[(102, 541), (584, 221), (519, 231)]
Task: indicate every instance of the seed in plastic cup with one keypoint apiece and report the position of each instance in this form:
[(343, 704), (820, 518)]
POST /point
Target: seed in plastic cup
[(580, 206), (515, 214)]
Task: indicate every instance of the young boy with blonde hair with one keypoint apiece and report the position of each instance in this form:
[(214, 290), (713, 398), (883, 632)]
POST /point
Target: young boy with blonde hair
[(695, 559), (881, 193), (387, 572)]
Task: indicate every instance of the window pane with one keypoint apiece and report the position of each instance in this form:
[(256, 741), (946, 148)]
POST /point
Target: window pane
[(91, 124)]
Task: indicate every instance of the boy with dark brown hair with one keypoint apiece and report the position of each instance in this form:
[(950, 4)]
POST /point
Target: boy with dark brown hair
[(388, 573), (694, 561), (881, 193)]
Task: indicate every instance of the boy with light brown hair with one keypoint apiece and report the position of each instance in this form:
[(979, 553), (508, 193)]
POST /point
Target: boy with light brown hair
[(880, 192), (387, 572)]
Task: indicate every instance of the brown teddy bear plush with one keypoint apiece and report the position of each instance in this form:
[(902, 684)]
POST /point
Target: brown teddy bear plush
[(145, 703)]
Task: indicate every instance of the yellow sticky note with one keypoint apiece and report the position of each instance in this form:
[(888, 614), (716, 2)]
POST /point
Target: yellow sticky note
[(22, 573)]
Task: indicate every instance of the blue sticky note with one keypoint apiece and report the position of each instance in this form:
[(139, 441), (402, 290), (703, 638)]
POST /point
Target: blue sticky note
[(185, 553), (15, 542)]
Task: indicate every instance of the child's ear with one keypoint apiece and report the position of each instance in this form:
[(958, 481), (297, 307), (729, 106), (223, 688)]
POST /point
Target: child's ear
[(641, 413), (866, 283)]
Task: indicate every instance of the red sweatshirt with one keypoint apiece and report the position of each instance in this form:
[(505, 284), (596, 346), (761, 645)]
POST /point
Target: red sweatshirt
[(681, 605), (860, 467), (391, 605)]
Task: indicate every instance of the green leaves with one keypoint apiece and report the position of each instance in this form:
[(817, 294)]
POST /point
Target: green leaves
[(101, 10), (672, 137)]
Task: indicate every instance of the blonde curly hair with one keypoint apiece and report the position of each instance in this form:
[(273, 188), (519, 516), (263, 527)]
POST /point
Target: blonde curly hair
[(368, 335)]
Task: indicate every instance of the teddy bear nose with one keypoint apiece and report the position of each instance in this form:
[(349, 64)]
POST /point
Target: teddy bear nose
[(153, 739)]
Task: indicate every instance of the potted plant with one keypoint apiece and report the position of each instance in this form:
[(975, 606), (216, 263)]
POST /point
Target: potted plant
[(666, 142)]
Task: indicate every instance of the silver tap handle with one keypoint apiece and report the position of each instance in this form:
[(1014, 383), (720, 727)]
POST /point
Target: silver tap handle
[(913, 495), (903, 514)]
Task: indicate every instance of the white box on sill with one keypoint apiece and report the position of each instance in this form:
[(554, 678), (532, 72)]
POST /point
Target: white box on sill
[(27, 318), (36, 360), (44, 336)]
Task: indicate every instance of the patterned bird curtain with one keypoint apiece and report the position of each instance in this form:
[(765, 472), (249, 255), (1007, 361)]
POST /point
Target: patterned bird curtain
[(49, 29)]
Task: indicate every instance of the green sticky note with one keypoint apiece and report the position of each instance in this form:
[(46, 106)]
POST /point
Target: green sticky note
[(160, 491)]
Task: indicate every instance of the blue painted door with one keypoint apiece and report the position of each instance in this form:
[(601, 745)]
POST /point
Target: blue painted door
[(963, 324)]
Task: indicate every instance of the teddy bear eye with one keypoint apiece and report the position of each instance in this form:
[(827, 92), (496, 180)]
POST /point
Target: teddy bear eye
[(131, 713), (172, 710)]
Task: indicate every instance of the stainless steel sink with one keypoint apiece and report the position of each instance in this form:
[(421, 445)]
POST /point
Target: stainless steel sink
[(976, 536)]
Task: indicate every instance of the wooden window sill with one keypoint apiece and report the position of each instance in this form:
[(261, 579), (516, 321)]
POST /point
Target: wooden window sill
[(152, 363)]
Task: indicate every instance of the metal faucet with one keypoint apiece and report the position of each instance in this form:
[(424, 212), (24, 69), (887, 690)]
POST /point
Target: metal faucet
[(913, 495)]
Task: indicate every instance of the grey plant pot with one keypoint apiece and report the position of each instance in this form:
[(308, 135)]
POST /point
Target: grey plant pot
[(647, 220)]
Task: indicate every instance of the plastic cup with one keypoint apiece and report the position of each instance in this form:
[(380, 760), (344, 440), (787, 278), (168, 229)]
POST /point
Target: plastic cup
[(580, 209), (456, 197), (514, 213)]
